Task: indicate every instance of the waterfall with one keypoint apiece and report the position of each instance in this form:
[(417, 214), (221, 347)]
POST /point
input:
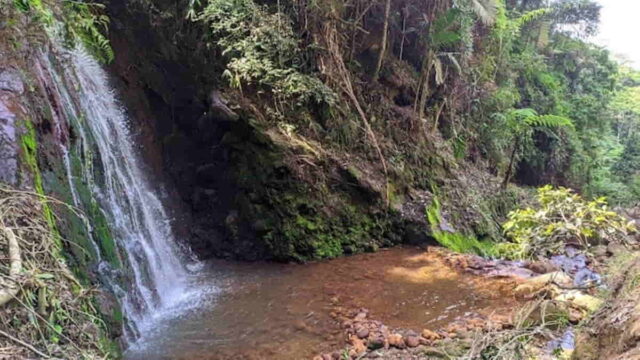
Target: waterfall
[(153, 263)]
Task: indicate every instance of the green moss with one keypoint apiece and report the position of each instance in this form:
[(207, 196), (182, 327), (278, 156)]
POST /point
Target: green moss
[(456, 241), (29, 146)]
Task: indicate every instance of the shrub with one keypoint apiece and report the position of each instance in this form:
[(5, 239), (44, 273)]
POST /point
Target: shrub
[(562, 217), (262, 49)]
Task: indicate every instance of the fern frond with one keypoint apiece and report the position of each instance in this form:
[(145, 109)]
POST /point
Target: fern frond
[(551, 121), (525, 113), (485, 10), (531, 16)]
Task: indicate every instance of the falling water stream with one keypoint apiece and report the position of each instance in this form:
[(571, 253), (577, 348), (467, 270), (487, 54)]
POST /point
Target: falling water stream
[(158, 281)]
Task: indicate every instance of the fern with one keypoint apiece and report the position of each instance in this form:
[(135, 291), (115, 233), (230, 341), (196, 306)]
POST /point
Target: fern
[(485, 10), (520, 119), (262, 50), (550, 121)]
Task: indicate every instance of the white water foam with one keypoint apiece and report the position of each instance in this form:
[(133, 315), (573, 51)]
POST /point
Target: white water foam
[(159, 283)]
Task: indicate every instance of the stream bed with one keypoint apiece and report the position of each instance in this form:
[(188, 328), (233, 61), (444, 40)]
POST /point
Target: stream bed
[(288, 311)]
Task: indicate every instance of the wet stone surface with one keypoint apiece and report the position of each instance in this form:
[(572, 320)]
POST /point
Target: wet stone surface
[(11, 86)]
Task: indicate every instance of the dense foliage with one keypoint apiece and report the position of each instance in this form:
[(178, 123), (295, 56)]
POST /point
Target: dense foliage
[(84, 25), (262, 50), (562, 217), (483, 71)]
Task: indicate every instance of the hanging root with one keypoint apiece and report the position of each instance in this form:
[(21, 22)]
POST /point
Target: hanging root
[(11, 290)]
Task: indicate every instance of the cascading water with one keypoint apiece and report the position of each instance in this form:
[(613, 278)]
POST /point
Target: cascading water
[(157, 279)]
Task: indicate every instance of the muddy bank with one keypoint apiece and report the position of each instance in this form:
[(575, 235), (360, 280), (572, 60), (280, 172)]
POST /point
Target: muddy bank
[(275, 311)]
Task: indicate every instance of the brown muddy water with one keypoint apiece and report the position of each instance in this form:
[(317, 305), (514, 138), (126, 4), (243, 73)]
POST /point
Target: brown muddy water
[(287, 312)]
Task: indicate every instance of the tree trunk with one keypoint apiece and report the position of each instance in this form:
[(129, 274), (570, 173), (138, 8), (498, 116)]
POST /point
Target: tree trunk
[(424, 93), (507, 175), (383, 45)]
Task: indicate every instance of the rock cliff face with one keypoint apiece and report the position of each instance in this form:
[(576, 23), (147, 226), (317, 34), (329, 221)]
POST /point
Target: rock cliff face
[(245, 186), (11, 88), (239, 183)]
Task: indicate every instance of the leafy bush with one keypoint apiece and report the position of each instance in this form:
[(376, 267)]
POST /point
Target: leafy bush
[(562, 217), (262, 49), (87, 23), (82, 22)]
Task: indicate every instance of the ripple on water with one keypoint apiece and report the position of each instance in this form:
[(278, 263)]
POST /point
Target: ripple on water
[(280, 311)]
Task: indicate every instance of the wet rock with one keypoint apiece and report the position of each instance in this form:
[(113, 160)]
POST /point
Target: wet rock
[(362, 333), (536, 284), (219, 109), (396, 340), (8, 144), (412, 341), (357, 345), (430, 335), (542, 266), (376, 341), (362, 315), (10, 80), (583, 301), (208, 172)]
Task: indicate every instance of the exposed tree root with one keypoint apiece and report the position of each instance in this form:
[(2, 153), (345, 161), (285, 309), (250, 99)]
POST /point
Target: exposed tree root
[(11, 290)]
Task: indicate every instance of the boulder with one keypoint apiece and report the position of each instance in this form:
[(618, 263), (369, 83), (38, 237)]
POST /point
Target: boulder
[(536, 284), (580, 300), (412, 341)]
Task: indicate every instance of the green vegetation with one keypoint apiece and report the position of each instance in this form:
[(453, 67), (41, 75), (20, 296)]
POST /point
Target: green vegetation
[(80, 22), (262, 50), (562, 217), (29, 147), (456, 241)]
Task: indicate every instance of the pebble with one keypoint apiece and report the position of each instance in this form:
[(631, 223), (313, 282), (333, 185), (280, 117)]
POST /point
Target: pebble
[(396, 340), (412, 341), (430, 335), (362, 333)]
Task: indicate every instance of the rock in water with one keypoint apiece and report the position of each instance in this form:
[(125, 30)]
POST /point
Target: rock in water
[(397, 341)]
